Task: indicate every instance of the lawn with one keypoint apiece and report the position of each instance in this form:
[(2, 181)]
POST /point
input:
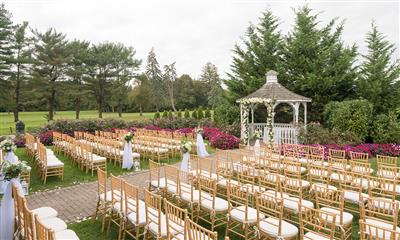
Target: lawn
[(36, 119)]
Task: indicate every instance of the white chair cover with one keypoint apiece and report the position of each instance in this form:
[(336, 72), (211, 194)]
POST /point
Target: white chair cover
[(127, 159), (185, 162), (201, 148), (7, 211)]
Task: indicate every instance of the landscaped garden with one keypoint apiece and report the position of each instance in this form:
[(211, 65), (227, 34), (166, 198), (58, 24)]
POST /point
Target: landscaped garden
[(298, 139)]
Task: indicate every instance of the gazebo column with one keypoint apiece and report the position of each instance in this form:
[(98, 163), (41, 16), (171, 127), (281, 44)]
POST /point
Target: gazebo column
[(244, 122), (305, 113), (296, 106)]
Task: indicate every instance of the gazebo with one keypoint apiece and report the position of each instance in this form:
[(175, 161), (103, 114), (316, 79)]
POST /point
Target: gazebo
[(271, 94)]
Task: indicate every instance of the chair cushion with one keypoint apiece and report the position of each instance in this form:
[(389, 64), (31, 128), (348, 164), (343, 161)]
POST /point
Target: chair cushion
[(54, 163), (347, 217), (97, 158), (315, 185), (314, 236), (238, 214), (108, 196), (388, 174), (224, 182), (66, 235), (56, 224), (153, 227), (45, 212), (142, 217), (221, 205), (270, 227), (292, 203), (364, 183), (186, 196), (340, 177), (354, 197), (172, 187), (154, 183)]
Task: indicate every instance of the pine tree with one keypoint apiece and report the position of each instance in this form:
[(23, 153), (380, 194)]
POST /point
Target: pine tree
[(6, 36), (316, 63), (76, 72), (22, 62), (169, 80), (378, 79), (154, 74), (140, 93), (210, 76), (259, 54), (51, 60)]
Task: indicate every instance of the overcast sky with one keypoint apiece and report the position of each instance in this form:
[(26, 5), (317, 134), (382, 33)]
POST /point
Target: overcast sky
[(192, 33)]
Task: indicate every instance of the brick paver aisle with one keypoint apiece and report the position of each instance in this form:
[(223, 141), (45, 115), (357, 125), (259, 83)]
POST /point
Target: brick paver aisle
[(77, 201)]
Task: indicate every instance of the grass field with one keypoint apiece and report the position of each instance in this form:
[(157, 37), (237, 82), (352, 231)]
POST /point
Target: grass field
[(37, 119)]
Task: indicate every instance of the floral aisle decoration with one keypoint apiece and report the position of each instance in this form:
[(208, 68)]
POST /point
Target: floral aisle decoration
[(186, 146), (270, 118), (14, 170), (199, 130), (127, 159), (128, 137), (244, 125), (258, 134), (7, 145)]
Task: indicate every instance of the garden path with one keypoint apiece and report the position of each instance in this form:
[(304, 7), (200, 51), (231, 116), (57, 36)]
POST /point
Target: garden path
[(78, 201)]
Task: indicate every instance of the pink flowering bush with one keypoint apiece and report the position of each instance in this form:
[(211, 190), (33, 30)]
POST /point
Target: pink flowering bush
[(372, 149), (46, 137), (222, 140)]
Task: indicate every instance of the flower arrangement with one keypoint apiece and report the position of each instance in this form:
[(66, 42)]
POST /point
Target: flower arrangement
[(186, 146), (7, 145), (258, 134), (199, 130), (128, 137), (13, 170)]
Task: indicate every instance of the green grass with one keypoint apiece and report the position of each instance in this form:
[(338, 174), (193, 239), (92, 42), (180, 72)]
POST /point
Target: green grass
[(72, 174), (37, 119)]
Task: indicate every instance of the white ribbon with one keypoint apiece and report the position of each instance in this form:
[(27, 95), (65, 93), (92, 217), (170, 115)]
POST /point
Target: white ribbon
[(257, 148), (127, 159), (185, 162), (7, 211), (201, 148)]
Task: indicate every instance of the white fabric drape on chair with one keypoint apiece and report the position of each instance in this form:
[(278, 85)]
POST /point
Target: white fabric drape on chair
[(10, 157), (7, 211), (127, 159), (257, 148), (201, 148), (185, 162)]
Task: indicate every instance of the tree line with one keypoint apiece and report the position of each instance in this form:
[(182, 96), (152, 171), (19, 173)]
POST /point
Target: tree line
[(47, 71), (312, 60)]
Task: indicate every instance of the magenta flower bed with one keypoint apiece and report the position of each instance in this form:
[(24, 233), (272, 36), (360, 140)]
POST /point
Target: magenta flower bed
[(372, 149), (46, 138)]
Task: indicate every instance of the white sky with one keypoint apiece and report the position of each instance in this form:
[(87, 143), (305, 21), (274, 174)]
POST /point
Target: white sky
[(191, 32)]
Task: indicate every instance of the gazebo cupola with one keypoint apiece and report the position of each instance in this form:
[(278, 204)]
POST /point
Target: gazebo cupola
[(271, 94)]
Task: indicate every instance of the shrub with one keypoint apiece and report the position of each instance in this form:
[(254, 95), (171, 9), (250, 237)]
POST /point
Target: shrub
[(179, 114), (226, 113), (200, 113), (349, 116), (386, 128), (20, 127), (194, 114), (314, 133), (19, 140), (187, 114), (165, 114), (207, 113), (46, 138), (170, 115), (223, 140), (157, 115)]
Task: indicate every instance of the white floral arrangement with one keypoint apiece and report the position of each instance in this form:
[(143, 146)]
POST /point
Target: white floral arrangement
[(186, 146), (199, 130), (258, 134), (128, 137), (13, 170), (7, 145), (255, 100)]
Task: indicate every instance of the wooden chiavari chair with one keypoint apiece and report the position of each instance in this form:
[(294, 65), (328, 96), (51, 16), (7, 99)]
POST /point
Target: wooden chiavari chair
[(370, 231), (116, 208), (332, 201), (273, 226), (196, 232), (384, 187), (171, 181), (354, 193), (386, 160), (188, 194), (361, 167), (303, 152), (155, 218), (240, 213), (316, 224), (175, 220), (43, 232), (135, 212), (211, 208), (49, 164), (388, 171), (103, 196), (319, 175), (337, 154), (157, 182), (359, 156)]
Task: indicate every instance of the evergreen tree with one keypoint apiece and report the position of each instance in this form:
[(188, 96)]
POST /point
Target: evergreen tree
[(76, 72), (165, 114), (207, 113), (316, 63), (194, 114), (140, 93), (154, 74), (200, 113), (210, 76), (51, 60), (169, 79), (6, 35), (21, 65), (187, 113), (259, 54), (378, 79)]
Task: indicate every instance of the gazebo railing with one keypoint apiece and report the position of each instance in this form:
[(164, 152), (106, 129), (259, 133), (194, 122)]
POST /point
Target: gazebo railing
[(284, 133)]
